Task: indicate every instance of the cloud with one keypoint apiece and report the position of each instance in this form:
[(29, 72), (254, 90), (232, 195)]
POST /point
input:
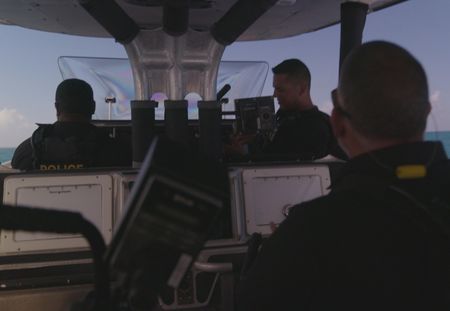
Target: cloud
[(11, 117), (435, 97), (439, 116), (326, 107), (14, 127)]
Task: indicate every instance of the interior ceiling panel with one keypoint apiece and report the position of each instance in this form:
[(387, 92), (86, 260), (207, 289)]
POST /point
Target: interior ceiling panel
[(287, 18)]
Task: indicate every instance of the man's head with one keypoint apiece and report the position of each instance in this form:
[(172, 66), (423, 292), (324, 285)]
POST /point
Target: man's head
[(74, 101), (291, 83), (382, 98)]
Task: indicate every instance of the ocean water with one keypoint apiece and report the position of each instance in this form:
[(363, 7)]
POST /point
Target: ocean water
[(444, 137), (6, 154)]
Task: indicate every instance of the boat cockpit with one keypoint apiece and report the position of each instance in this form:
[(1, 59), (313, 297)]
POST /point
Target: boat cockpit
[(167, 198)]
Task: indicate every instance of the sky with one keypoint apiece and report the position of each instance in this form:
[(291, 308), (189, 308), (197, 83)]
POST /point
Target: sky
[(29, 73)]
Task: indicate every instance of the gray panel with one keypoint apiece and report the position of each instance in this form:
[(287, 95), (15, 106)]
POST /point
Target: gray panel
[(91, 195), (267, 193)]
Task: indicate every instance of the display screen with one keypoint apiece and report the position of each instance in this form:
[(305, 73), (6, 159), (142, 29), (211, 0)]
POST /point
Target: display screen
[(173, 217), (255, 114)]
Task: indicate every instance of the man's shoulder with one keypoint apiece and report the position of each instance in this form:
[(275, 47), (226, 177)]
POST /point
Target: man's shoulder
[(23, 154), (315, 206), (360, 192), (24, 144), (441, 168), (318, 115), (333, 206), (309, 118), (298, 122), (323, 201), (324, 116)]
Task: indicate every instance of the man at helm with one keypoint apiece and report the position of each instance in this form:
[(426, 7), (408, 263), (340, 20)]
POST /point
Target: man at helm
[(301, 127), (302, 130)]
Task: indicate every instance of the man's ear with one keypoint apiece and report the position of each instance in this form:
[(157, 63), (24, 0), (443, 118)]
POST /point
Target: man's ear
[(302, 88), (57, 108), (338, 124)]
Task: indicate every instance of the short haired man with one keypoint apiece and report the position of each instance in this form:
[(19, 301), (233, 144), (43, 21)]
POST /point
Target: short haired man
[(72, 142), (302, 128), (380, 240)]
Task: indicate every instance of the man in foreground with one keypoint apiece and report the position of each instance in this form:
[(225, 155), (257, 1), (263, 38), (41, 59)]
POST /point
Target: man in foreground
[(380, 240), (72, 142)]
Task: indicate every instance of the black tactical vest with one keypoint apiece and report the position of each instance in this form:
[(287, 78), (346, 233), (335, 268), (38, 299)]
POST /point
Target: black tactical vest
[(53, 152)]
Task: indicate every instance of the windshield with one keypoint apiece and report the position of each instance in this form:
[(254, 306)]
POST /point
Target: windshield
[(112, 77)]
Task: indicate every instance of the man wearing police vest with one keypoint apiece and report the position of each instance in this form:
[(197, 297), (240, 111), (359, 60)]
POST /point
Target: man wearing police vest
[(72, 142)]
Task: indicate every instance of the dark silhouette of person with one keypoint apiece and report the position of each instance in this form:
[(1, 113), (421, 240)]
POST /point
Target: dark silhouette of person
[(72, 142), (301, 127), (380, 240), (302, 130)]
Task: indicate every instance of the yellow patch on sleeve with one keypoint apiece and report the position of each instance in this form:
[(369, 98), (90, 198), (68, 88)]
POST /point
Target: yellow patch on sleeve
[(411, 171)]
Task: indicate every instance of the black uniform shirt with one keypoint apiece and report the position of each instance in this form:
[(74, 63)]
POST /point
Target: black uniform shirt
[(363, 246), (63, 142), (307, 133)]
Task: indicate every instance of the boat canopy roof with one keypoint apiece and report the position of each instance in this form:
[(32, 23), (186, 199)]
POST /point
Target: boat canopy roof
[(287, 18)]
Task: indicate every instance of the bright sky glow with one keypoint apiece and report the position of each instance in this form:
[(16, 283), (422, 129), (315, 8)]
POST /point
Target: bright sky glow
[(29, 72)]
